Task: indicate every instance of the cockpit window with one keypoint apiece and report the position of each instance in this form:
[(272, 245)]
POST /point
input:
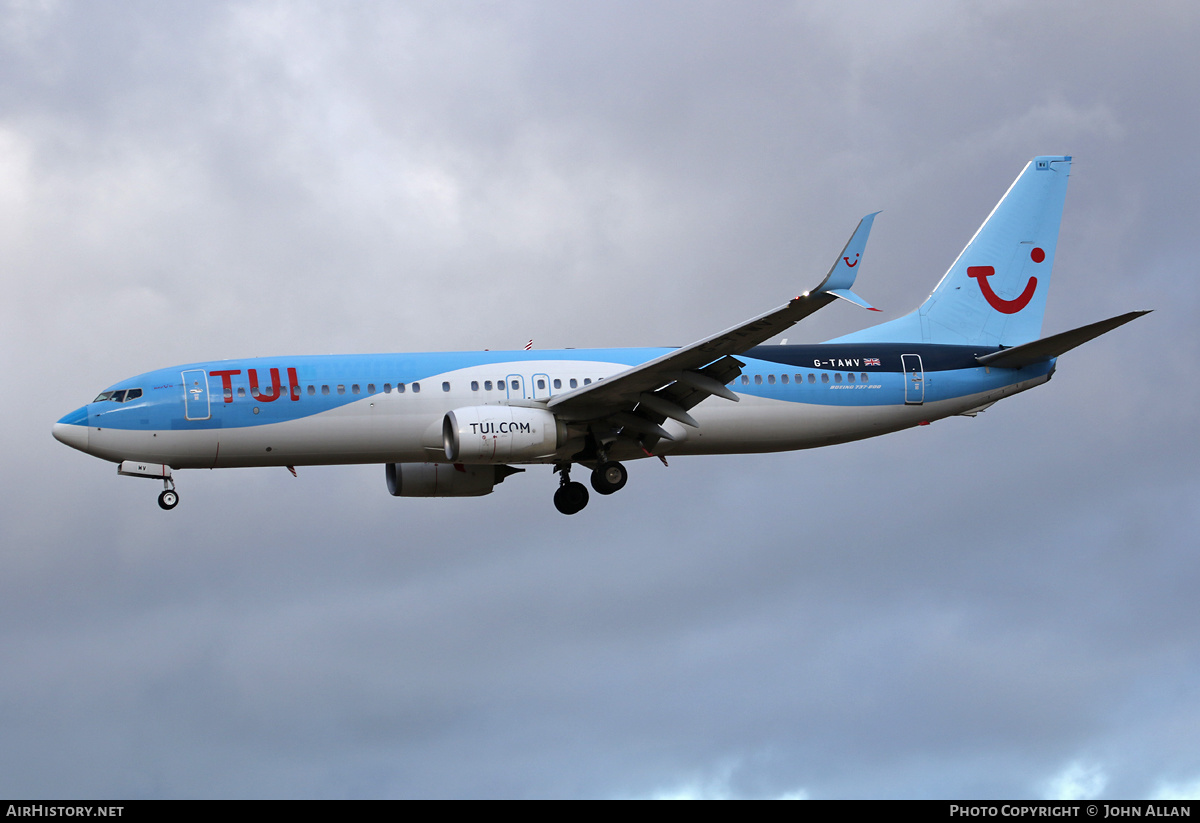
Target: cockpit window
[(119, 396)]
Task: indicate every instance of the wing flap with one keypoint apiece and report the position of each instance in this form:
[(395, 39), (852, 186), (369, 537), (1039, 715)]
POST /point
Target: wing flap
[(690, 389)]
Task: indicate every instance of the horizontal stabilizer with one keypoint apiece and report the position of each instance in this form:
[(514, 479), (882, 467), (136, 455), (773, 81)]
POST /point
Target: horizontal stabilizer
[(1042, 350)]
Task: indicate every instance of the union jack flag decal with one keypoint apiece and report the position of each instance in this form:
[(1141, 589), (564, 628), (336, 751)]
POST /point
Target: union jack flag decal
[(871, 361)]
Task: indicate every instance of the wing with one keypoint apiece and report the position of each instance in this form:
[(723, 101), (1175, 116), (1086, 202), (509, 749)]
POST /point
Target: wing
[(638, 400)]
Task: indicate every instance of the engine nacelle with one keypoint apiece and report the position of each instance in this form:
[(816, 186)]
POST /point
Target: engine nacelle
[(501, 434), (444, 479)]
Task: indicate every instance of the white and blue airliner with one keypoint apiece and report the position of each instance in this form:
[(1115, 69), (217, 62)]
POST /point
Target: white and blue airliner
[(454, 424)]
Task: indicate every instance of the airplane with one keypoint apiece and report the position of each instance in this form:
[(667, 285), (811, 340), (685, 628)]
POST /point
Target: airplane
[(456, 424)]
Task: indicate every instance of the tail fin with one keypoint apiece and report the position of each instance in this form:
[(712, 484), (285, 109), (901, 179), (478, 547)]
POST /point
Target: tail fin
[(995, 292)]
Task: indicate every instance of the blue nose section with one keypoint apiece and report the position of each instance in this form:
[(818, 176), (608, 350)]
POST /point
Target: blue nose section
[(78, 417), (72, 429)]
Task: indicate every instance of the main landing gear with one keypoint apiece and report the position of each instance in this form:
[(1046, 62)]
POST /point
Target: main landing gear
[(609, 477), (571, 497)]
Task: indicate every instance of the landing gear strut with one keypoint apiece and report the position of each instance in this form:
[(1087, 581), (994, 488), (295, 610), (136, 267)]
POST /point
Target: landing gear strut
[(169, 498), (609, 477), (571, 497)]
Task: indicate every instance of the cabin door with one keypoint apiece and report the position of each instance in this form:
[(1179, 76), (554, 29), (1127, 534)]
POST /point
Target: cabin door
[(195, 395), (914, 379)]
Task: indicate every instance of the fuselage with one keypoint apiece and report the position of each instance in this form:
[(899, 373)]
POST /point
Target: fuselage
[(455, 424), (389, 408)]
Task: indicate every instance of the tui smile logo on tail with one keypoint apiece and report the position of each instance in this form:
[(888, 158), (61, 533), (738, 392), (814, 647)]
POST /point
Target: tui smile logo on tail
[(982, 273)]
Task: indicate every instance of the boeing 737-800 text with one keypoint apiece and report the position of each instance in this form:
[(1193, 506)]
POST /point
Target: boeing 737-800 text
[(454, 424)]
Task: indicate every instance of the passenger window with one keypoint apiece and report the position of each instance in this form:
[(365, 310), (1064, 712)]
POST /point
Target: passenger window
[(557, 383), (745, 380), (587, 381), (515, 385), (541, 383), (446, 386), (487, 385), (825, 377), (771, 379), (812, 378), (783, 378), (574, 382), (241, 391), (387, 388), (324, 390), (863, 377), (370, 388), (850, 377), (416, 387), (354, 388), (312, 390), (474, 385), (837, 378), (400, 388), (228, 392), (341, 388), (758, 379)]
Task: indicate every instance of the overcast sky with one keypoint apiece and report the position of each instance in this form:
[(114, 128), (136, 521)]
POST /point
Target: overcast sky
[(997, 607)]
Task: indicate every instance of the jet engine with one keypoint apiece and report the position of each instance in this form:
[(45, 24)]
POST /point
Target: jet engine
[(444, 479), (500, 434)]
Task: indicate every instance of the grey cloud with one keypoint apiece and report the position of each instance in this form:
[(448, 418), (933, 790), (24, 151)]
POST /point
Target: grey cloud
[(988, 607)]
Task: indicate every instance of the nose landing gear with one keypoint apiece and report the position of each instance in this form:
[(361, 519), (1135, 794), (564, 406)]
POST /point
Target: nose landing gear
[(169, 498)]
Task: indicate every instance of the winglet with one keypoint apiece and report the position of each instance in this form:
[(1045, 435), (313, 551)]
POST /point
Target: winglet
[(841, 276), (846, 294)]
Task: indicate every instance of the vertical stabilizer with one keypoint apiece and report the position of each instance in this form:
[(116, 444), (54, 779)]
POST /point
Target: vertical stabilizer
[(995, 292)]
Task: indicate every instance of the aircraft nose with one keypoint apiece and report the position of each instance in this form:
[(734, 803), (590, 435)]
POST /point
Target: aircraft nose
[(73, 430)]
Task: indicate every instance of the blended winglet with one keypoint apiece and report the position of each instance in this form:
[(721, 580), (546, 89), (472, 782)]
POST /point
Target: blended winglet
[(706, 366), (842, 274)]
